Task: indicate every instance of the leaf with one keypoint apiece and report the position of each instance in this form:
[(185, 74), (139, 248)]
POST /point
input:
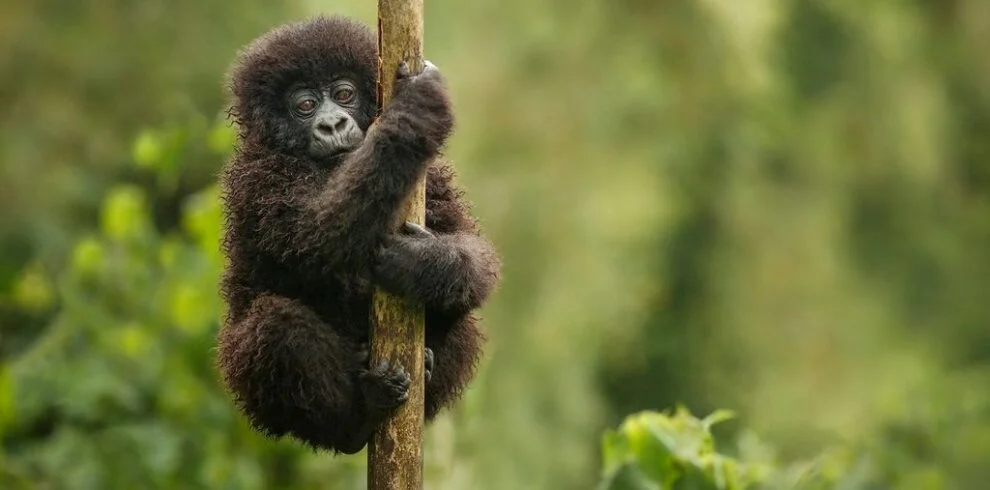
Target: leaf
[(628, 477), (191, 309), (202, 215), (124, 213), (88, 255), (148, 149), (615, 450), (672, 451), (652, 453), (33, 291), (133, 341), (717, 417)]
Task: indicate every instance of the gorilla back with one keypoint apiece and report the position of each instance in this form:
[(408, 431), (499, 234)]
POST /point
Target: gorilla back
[(311, 201)]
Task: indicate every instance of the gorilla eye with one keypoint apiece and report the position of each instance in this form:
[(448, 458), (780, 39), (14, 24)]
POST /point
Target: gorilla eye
[(306, 105), (343, 95)]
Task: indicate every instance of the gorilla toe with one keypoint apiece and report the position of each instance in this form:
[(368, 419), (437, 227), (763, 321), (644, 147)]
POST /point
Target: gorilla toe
[(385, 387)]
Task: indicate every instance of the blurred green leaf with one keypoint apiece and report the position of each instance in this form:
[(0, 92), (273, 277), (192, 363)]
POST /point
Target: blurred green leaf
[(148, 149), (88, 255), (202, 218), (191, 308), (124, 213), (33, 291), (134, 341), (675, 450)]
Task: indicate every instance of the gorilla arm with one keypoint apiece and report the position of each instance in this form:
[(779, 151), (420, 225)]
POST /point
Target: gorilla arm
[(453, 273), (448, 265)]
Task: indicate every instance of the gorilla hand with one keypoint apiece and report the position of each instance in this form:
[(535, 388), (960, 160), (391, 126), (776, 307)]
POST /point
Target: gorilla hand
[(407, 261), (420, 102)]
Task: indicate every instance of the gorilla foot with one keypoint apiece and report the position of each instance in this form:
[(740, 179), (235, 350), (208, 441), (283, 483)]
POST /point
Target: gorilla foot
[(385, 386), (363, 357)]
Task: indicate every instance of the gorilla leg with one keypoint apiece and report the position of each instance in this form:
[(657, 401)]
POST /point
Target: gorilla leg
[(291, 373)]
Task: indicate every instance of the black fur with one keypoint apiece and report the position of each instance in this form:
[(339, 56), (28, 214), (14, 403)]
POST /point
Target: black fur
[(307, 240)]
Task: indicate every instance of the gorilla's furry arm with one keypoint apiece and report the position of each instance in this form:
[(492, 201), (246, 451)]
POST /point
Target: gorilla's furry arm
[(448, 265)]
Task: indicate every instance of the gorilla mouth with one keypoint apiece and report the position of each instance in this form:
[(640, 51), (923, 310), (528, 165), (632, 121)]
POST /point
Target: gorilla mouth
[(333, 148)]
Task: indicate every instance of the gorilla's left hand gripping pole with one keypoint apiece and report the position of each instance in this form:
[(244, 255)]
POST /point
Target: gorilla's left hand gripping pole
[(398, 333)]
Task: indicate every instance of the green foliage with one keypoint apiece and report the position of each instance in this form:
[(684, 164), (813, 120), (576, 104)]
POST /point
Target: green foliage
[(658, 450), (654, 451), (82, 80), (922, 450), (125, 370)]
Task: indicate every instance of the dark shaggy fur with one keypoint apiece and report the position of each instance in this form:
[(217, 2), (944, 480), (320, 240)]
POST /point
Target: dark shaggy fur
[(307, 241)]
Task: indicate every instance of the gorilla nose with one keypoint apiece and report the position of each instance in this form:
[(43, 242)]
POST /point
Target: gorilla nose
[(332, 125)]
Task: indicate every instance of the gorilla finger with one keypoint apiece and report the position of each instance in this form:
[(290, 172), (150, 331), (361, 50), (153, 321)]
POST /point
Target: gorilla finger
[(431, 72)]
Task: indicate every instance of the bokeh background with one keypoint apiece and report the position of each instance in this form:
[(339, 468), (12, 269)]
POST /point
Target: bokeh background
[(776, 207)]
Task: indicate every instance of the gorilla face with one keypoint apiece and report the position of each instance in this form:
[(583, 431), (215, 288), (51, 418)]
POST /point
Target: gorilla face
[(331, 117)]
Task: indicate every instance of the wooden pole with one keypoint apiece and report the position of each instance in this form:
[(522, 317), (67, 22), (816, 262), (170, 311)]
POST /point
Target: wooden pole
[(395, 452)]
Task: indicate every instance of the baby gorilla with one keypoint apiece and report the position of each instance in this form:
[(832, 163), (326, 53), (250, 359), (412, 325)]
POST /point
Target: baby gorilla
[(312, 202)]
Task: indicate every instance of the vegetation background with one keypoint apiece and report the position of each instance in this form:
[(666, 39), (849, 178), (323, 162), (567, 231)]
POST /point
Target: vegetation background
[(777, 207)]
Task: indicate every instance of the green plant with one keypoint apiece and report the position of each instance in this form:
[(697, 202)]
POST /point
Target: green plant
[(676, 450), (118, 389)]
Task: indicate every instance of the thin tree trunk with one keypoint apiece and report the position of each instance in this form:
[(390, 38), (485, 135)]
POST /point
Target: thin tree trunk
[(395, 453)]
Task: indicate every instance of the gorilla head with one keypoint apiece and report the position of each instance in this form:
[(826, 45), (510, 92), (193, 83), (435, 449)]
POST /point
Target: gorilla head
[(307, 89)]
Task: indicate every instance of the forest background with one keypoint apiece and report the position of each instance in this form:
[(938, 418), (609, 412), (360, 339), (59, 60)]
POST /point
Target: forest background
[(776, 207)]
